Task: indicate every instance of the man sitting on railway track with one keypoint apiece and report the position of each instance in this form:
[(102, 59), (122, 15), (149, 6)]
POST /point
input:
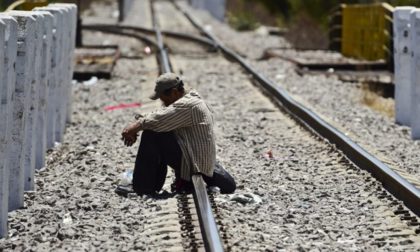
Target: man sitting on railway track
[(179, 135)]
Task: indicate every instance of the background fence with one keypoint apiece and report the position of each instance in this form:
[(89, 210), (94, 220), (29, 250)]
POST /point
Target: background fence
[(36, 66)]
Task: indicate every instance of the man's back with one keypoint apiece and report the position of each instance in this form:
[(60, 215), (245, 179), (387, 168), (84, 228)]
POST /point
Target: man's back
[(192, 121)]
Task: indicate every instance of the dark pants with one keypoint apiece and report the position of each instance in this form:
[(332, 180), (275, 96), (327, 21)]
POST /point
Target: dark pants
[(157, 150)]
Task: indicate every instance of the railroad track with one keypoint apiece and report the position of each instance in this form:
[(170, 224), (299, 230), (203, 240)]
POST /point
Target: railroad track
[(203, 207), (209, 235), (392, 182)]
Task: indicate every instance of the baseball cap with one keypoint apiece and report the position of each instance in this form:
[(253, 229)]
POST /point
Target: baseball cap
[(165, 82)]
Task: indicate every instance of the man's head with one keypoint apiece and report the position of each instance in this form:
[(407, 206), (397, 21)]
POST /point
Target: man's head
[(169, 88)]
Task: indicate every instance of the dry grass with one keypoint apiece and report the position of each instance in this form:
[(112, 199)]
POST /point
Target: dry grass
[(372, 98)]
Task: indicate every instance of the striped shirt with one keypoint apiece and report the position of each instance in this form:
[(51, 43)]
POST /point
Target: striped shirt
[(192, 122)]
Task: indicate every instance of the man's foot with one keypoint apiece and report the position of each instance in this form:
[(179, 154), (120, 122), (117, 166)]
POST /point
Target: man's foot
[(181, 186), (124, 190)]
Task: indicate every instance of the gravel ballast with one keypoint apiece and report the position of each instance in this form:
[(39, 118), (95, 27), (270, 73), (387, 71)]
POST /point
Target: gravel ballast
[(295, 191)]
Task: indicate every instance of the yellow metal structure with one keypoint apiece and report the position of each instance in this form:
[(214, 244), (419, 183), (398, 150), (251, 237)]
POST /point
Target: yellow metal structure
[(27, 4), (367, 31)]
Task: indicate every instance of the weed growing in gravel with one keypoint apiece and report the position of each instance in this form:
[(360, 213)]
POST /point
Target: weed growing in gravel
[(373, 99)]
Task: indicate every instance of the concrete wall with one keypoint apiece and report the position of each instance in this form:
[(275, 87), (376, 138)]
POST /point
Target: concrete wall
[(36, 66), (402, 59), (407, 68), (415, 74)]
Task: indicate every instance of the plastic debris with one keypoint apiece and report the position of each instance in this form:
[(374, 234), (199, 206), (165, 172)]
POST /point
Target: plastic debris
[(106, 42), (126, 178), (147, 50), (246, 198), (280, 76), (269, 154), (262, 31), (67, 219), (91, 81), (208, 28), (213, 189), (115, 14), (122, 106)]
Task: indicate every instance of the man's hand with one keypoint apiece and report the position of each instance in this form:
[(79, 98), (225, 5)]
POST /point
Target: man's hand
[(130, 133), (129, 140)]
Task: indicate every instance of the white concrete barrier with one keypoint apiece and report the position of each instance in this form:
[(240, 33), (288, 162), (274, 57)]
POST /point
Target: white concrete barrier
[(4, 182), (62, 112), (58, 97), (36, 65), (69, 32), (26, 49), (45, 68), (32, 114), (415, 74), (51, 76), (64, 64), (402, 66), (69, 65), (9, 43)]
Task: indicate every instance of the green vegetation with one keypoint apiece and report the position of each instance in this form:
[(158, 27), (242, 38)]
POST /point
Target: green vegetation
[(249, 13), (4, 4), (304, 18)]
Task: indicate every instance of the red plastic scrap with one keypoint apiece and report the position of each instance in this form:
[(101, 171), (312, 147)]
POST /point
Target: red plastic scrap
[(122, 106), (269, 154)]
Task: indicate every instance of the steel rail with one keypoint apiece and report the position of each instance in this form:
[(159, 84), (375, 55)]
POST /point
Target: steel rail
[(391, 181), (208, 226), (165, 65), (183, 36), (117, 31), (209, 231)]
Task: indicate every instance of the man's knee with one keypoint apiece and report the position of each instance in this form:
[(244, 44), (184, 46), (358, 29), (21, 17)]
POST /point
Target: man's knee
[(148, 134)]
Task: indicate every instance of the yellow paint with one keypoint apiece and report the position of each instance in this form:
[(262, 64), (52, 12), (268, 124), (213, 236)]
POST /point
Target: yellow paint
[(366, 31), (27, 4)]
